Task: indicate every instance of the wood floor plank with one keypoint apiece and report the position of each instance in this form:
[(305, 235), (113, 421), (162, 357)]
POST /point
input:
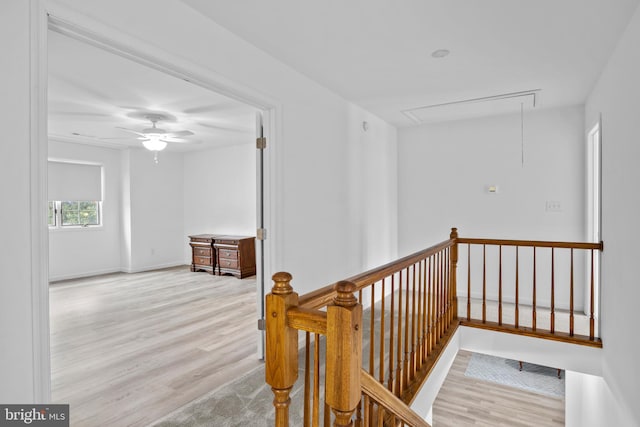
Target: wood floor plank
[(127, 349), (464, 401)]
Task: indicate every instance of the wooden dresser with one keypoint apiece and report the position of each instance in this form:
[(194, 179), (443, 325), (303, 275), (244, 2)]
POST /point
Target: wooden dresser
[(236, 255), (202, 253), (221, 254)]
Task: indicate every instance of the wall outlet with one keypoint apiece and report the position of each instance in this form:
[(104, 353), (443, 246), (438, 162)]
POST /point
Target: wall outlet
[(553, 206)]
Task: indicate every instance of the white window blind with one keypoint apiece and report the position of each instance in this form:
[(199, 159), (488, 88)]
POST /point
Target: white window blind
[(75, 181)]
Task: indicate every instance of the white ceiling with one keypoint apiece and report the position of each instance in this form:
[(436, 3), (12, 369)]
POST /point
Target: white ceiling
[(92, 92), (377, 53)]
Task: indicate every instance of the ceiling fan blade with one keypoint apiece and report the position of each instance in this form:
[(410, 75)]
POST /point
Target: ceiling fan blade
[(179, 141), (132, 131), (180, 133)]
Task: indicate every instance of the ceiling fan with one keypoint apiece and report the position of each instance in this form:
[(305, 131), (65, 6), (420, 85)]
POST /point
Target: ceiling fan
[(155, 138)]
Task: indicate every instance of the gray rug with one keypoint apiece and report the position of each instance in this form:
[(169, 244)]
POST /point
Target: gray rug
[(534, 378)]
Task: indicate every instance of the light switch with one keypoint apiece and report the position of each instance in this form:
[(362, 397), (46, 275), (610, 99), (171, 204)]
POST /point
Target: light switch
[(553, 206)]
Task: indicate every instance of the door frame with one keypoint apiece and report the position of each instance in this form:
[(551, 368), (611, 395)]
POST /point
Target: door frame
[(65, 22)]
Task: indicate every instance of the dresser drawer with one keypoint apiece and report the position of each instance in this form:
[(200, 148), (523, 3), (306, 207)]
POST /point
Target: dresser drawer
[(202, 260), (228, 253), (205, 251), (232, 242), (228, 263)]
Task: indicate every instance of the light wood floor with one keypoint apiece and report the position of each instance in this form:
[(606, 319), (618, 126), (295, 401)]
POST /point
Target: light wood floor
[(127, 349), (465, 401)]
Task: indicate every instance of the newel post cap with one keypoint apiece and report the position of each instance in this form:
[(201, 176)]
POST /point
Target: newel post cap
[(454, 233), (282, 283), (345, 297)]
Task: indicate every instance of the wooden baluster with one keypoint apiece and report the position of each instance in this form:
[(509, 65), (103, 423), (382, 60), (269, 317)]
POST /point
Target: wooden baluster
[(405, 367), (281, 364), (571, 320), (399, 343), (438, 319), (500, 285), (447, 294), (454, 273), (436, 304), (440, 297), (592, 300), (327, 415), (307, 381), (553, 292), (469, 281), (344, 354), (359, 420), (367, 410), (484, 283), (425, 312), (391, 337), (372, 329), (412, 360), (420, 315), (316, 380), (533, 307), (382, 327), (430, 299), (517, 312), (443, 300)]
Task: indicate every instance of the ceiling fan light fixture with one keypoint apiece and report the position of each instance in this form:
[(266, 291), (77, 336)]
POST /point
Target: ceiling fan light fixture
[(154, 143)]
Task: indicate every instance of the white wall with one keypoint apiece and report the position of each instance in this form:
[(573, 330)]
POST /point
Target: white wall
[(89, 251), (445, 168), (373, 181), (16, 314), (157, 217), (444, 172), (220, 192), (615, 96)]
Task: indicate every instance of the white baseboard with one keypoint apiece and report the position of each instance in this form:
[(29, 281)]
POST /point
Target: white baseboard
[(155, 267), (80, 275)]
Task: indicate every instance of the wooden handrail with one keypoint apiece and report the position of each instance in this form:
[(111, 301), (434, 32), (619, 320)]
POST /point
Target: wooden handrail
[(324, 296), (381, 395), (533, 243)]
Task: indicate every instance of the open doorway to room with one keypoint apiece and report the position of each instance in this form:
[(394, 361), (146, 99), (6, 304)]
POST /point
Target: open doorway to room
[(133, 325)]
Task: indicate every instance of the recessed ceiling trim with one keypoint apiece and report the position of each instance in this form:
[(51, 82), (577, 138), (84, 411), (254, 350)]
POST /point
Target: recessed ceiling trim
[(413, 113)]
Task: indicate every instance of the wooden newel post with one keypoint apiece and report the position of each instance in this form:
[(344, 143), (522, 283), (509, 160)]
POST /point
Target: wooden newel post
[(453, 273), (281, 364), (344, 354)]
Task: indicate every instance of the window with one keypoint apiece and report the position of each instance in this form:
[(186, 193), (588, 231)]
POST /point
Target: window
[(52, 214), (75, 194), (76, 213)]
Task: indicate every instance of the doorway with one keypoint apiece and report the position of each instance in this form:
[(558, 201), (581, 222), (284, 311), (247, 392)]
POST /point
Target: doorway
[(262, 177)]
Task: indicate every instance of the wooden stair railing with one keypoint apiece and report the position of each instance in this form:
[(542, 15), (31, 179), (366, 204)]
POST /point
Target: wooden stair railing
[(412, 312), (533, 283), (377, 392)]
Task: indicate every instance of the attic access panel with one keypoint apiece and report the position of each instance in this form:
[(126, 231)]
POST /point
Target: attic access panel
[(477, 107)]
